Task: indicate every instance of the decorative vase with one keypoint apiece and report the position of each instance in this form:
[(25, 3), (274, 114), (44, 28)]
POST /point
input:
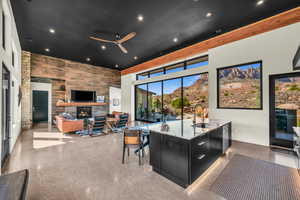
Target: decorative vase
[(164, 126)]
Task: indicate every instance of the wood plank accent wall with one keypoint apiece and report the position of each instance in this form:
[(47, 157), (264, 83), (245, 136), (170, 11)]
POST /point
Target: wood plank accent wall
[(67, 75), (283, 19)]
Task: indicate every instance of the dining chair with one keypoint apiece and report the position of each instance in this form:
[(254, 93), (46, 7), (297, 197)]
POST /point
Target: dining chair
[(99, 124), (121, 123), (132, 139)]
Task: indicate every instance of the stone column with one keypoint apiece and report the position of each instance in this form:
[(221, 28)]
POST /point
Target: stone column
[(26, 91)]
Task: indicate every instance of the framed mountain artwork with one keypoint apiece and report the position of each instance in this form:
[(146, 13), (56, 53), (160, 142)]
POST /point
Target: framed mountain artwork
[(240, 86)]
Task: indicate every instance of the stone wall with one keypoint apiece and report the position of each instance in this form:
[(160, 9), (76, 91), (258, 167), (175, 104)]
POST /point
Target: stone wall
[(26, 91), (96, 110), (66, 75)]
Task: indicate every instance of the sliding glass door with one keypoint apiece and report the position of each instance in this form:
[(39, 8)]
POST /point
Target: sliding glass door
[(172, 99), (155, 102), (141, 94), (195, 92), (176, 98)]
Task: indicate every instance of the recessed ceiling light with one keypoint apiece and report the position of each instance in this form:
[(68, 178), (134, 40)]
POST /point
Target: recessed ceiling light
[(219, 31), (175, 39), (103, 47), (208, 14), (51, 30), (140, 18), (47, 50), (88, 59), (260, 2), (135, 57), (117, 66)]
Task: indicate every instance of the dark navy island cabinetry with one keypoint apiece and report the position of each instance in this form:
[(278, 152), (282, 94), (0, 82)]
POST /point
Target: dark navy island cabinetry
[(184, 152)]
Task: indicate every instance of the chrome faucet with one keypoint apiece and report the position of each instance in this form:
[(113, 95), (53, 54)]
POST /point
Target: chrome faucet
[(195, 112)]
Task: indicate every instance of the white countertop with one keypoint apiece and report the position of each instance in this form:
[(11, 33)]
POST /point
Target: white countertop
[(186, 130)]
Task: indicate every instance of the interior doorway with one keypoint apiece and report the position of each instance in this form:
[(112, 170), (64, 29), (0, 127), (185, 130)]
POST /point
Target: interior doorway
[(284, 108), (39, 106), (6, 116)]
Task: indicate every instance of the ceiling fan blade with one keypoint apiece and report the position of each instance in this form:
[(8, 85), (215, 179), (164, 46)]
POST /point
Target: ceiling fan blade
[(123, 48), (101, 40), (127, 37)]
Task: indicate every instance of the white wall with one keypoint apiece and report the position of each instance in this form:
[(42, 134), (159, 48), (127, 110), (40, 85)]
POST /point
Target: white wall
[(114, 94), (276, 49), (12, 43)]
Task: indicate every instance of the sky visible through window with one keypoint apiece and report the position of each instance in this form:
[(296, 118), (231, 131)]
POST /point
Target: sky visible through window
[(171, 85), (200, 64), (166, 70)]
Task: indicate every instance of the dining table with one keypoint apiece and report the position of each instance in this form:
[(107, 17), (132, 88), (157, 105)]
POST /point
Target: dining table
[(145, 136)]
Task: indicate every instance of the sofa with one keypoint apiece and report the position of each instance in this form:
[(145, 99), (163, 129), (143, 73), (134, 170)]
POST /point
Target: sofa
[(66, 125)]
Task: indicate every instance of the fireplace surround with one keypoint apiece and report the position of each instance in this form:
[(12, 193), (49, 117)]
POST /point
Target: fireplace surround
[(84, 112)]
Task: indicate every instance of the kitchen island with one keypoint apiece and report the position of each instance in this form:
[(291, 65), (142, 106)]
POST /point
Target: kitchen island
[(185, 151)]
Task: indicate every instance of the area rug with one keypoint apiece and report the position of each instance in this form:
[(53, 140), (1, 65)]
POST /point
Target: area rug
[(246, 178)]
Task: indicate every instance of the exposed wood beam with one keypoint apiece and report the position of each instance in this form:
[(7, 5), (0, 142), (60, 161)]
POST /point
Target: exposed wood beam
[(283, 19)]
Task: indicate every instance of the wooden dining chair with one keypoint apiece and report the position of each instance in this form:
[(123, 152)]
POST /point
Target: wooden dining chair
[(132, 139)]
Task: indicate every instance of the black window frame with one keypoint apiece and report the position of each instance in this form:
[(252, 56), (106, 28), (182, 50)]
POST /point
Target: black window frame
[(191, 60), (12, 58), (165, 67), (3, 30), (175, 66), (142, 74), (261, 86), (159, 70), (162, 93)]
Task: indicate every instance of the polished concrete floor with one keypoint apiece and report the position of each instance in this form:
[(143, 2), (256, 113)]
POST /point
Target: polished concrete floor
[(70, 167)]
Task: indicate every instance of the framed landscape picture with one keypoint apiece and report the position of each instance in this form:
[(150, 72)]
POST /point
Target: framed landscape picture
[(240, 86)]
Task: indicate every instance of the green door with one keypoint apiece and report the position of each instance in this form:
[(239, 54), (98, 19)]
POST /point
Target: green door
[(40, 106)]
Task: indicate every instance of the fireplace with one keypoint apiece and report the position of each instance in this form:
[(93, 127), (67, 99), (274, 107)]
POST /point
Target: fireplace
[(84, 112)]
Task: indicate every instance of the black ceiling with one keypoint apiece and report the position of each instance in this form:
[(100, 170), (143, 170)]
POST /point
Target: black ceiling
[(75, 20)]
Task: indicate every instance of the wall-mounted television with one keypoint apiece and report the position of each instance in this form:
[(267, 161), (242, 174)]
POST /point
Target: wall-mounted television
[(83, 96)]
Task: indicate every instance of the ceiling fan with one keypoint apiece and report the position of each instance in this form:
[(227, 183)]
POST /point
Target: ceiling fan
[(118, 41)]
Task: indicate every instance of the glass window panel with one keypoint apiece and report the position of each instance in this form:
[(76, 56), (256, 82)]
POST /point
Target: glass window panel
[(175, 68), (199, 62), (172, 99), (155, 101), (141, 102), (142, 76), (155, 73), (287, 107), (195, 92)]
